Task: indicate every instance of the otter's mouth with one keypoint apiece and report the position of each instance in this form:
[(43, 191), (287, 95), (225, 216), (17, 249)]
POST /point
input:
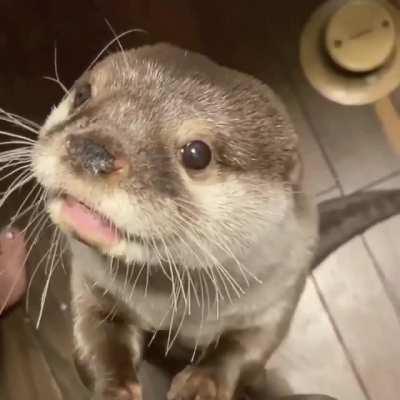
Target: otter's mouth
[(88, 224)]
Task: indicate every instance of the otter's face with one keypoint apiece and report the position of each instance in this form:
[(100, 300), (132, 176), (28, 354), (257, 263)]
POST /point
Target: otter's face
[(159, 155)]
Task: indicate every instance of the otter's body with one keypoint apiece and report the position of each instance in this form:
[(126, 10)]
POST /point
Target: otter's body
[(280, 261), (178, 182)]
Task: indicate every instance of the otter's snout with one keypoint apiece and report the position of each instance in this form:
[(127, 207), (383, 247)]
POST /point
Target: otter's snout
[(92, 157)]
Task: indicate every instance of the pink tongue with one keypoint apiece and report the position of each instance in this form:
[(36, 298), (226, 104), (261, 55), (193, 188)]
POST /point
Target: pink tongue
[(87, 224)]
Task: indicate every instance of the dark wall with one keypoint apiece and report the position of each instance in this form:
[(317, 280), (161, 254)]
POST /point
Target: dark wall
[(244, 34), (232, 32), (29, 30)]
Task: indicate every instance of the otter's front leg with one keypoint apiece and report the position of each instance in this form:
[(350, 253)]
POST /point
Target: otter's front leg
[(108, 347), (217, 376)]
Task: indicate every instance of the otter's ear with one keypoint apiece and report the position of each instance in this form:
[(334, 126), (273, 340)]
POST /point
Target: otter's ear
[(295, 172)]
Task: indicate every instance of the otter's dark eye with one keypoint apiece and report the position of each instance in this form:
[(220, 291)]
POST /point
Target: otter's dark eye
[(196, 155), (82, 94)]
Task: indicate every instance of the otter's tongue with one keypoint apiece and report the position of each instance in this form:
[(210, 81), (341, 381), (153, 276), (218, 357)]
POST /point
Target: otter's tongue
[(89, 225)]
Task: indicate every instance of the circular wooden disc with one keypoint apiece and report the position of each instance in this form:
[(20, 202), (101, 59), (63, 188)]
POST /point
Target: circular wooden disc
[(361, 36), (350, 50)]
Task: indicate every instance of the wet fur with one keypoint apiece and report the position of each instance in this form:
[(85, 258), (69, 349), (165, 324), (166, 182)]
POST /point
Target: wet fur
[(223, 254)]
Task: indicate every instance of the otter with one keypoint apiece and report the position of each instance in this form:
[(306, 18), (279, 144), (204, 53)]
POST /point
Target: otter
[(178, 183)]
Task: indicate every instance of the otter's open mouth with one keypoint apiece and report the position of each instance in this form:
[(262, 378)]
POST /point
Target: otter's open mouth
[(91, 226), (88, 224)]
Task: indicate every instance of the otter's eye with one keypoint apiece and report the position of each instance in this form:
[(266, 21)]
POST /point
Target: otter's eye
[(196, 155), (82, 94)]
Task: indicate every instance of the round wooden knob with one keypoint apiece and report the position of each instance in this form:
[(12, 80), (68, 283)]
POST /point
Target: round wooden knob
[(361, 36)]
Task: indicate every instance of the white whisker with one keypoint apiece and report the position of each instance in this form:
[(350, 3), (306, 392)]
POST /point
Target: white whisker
[(24, 139), (59, 83), (55, 243), (106, 47), (118, 42), (23, 119), (11, 118)]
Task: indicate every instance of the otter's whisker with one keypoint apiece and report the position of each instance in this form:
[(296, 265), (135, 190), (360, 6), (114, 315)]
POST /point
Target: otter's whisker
[(218, 241), (15, 154), (118, 42), (170, 276), (10, 157), (243, 270), (37, 215), (24, 168), (170, 341), (196, 294), (188, 295), (57, 76), (24, 139), (159, 325), (202, 315), (223, 280), (114, 274), (135, 282), (21, 207), (13, 163), (18, 182), (17, 122), (20, 118), (193, 237), (171, 321), (160, 258), (42, 223), (42, 194), (175, 270), (55, 243), (148, 266), (59, 83), (127, 276), (207, 292), (110, 43), (218, 293), (12, 116), (9, 142), (109, 316), (110, 272), (208, 268), (22, 213)]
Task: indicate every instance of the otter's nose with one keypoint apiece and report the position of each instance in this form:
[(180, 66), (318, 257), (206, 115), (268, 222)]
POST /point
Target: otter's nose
[(86, 154)]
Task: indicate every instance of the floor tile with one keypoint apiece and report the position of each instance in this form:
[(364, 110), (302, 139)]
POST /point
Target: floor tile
[(364, 316), (311, 359)]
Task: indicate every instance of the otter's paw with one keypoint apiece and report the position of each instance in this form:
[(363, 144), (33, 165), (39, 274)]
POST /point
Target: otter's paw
[(197, 383), (129, 391)]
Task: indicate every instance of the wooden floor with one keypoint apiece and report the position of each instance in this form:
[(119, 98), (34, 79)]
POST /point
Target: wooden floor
[(345, 338), (344, 341)]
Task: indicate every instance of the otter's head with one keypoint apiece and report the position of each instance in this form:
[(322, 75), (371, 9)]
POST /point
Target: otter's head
[(160, 154)]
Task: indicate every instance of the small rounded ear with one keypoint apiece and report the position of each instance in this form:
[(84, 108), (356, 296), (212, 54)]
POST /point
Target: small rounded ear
[(295, 174)]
